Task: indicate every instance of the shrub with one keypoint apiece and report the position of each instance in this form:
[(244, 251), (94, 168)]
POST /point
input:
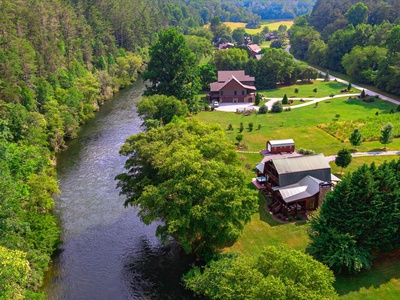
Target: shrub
[(230, 127), (239, 137), (288, 109), (299, 217), (332, 95), (349, 87), (398, 108), (259, 126), (306, 151), (277, 107), (369, 99), (251, 126), (290, 218), (258, 99), (315, 90), (296, 90), (263, 109), (362, 95), (337, 116), (241, 127), (212, 108), (377, 113)]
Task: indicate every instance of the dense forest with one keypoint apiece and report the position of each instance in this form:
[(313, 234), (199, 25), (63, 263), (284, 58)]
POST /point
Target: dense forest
[(360, 39)]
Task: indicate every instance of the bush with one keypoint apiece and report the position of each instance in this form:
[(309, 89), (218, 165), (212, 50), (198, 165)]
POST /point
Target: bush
[(306, 151), (277, 107), (299, 217), (251, 126), (332, 95), (362, 95), (263, 109), (239, 137), (241, 127), (288, 109), (259, 126), (230, 127), (290, 218), (315, 90), (369, 99), (296, 90)]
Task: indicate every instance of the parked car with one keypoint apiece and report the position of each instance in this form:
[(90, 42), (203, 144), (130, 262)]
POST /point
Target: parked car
[(216, 104)]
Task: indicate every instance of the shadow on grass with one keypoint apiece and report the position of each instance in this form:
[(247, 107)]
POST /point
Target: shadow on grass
[(264, 214), (385, 267)]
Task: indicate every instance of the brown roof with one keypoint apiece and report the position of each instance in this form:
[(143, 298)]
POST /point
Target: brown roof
[(224, 76), (217, 86), (254, 47)]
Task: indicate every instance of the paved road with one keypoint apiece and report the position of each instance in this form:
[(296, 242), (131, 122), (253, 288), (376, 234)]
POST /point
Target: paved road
[(371, 153)]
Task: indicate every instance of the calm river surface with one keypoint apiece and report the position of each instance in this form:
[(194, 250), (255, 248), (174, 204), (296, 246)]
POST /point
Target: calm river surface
[(107, 253)]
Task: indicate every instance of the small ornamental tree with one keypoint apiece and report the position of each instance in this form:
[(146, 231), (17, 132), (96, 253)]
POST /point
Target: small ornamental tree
[(263, 109), (257, 100), (241, 127), (386, 135), (239, 137), (251, 125), (326, 78), (343, 158), (315, 90), (296, 90), (285, 100), (362, 94), (349, 87), (230, 127), (277, 107), (356, 138)]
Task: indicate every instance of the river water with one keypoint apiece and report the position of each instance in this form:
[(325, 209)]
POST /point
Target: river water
[(107, 253)]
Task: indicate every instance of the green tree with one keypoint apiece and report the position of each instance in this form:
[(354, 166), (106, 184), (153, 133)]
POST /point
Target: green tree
[(356, 138), (275, 273), (200, 46), (207, 75), (285, 99), (161, 108), (238, 35), (230, 59), (188, 176), (239, 137), (257, 100), (343, 158), (172, 68), (386, 135), (277, 107), (338, 235), (357, 14), (241, 127), (349, 87), (251, 125)]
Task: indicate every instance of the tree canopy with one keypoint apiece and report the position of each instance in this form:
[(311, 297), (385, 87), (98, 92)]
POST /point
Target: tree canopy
[(276, 273), (359, 218), (188, 176), (343, 158), (172, 69)]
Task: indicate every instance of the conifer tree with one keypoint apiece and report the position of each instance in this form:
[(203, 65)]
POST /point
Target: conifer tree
[(356, 138), (386, 135)]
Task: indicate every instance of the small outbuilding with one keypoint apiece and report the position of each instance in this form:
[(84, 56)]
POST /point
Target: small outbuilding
[(279, 146)]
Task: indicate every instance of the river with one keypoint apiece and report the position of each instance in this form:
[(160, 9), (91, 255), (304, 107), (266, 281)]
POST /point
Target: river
[(107, 253)]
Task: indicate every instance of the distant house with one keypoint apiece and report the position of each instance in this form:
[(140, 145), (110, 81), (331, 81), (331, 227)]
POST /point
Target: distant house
[(279, 146), (232, 87), (225, 46), (297, 184), (254, 49)]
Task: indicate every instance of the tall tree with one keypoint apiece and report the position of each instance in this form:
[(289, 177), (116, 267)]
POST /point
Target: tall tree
[(172, 68), (357, 14), (356, 138), (188, 176), (275, 273), (386, 135), (343, 158)]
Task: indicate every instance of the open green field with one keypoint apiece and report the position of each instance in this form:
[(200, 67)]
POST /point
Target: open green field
[(272, 26), (382, 281), (306, 90)]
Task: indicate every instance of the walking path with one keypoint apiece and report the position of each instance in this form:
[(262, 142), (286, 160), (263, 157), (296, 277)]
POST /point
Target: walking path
[(371, 153)]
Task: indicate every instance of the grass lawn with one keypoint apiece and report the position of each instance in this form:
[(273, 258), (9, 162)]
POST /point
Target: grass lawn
[(271, 25), (382, 281), (306, 90), (205, 60)]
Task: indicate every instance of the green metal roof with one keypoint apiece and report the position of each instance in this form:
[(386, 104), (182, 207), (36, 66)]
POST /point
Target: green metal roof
[(300, 163)]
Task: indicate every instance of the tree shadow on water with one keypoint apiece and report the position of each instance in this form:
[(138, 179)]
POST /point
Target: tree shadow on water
[(155, 272)]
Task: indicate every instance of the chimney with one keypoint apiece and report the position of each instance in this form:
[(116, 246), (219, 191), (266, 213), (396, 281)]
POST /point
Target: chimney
[(324, 187)]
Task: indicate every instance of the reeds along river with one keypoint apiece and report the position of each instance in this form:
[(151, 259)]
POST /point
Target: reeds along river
[(107, 253)]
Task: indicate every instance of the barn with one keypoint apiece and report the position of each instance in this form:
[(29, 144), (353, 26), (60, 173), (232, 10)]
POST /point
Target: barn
[(278, 146)]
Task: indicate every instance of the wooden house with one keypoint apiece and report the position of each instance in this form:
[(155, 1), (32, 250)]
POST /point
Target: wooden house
[(296, 184), (254, 49), (279, 146), (233, 87)]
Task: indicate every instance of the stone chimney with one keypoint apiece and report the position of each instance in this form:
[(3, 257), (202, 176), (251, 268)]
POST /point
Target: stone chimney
[(324, 187)]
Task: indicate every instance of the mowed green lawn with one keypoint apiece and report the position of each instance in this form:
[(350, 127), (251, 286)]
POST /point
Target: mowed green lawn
[(305, 90), (272, 26), (381, 282)]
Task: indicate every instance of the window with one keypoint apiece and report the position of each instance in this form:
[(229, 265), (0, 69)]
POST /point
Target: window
[(242, 93), (222, 93), (311, 204), (235, 93)]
